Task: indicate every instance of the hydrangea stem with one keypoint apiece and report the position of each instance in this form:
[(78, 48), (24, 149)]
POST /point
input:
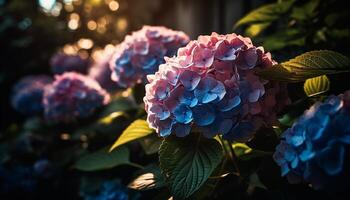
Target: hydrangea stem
[(227, 146)]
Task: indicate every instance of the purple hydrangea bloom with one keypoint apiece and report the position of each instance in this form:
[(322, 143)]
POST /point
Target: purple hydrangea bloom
[(27, 94), (211, 87), (142, 52), (315, 149), (61, 63), (72, 96), (102, 72)]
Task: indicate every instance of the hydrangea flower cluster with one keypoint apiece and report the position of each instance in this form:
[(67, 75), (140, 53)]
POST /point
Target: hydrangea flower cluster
[(109, 190), (61, 63), (102, 72), (211, 87), (28, 94), (142, 52), (72, 96), (316, 148)]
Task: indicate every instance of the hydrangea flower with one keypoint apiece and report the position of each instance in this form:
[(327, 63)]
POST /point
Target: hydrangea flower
[(210, 86), (61, 63), (72, 96), (109, 190), (27, 94), (315, 149), (43, 168), (142, 52), (102, 72)]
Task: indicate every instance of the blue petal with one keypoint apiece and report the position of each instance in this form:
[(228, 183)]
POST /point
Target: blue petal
[(189, 79), (160, 112), (203, 115), (332, 159), (209, 97), (183, 114), (285, 170), (148, 63), (341, 126), (331, 105), (297, 140), (315, 130), (295, 163), (307, 154), (227, 104), (188, 98), (127, 70), (203, 93), (165, 132), (124, 59), (254, 96), (181, 130), (165, 127), (219, 90), (219, 126)]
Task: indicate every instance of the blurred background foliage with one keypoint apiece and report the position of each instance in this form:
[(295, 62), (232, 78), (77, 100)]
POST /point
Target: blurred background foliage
[(290, 27)]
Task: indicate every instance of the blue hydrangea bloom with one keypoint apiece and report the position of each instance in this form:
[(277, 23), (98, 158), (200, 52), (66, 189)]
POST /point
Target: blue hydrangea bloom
[(27, 94), (315, 149), (109, 190), (142, 52)]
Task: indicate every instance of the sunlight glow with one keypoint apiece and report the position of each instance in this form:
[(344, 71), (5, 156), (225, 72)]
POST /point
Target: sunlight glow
[(113, 5), (92, 25), (73, 24), (47, 5), (85, 43), (70, 49), (122, 24)]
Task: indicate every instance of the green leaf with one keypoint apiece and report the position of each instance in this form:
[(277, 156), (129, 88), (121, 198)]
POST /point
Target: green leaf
[(151, 144), (308, 65), (102, 159), (119, 104), (288, 38), (306, 11), (316, 86), (255, 29), (254, 181), (244, 152), (111, 117), (136, 130), (151, 178), (266, 13), (188, 162)]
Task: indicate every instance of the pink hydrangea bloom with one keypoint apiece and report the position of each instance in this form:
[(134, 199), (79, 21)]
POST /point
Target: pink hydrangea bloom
[(72, 96), (101, 72), (142, 52), (211, 86)]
